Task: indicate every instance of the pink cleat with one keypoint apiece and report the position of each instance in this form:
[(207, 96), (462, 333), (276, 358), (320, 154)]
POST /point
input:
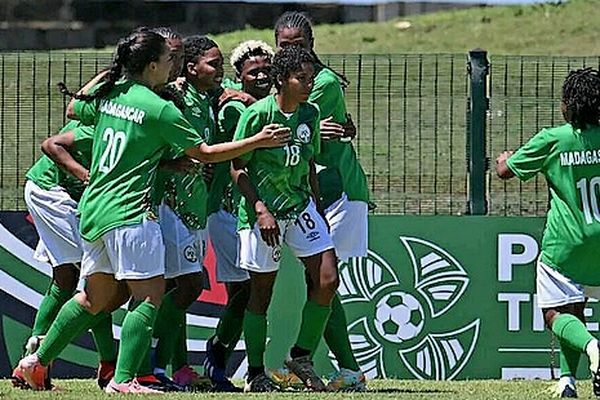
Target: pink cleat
[(129, 387), (34, 373)]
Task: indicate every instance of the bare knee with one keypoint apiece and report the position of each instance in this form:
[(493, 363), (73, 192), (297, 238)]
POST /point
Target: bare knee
[(66, 276), (261, 291), (189, 287), (150, 290)]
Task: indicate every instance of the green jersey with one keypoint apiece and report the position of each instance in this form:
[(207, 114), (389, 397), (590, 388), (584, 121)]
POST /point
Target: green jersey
[(134, 127), (570, 161), (46, 174), (342, 172), (186, 193), (222, 194), (280, 175)]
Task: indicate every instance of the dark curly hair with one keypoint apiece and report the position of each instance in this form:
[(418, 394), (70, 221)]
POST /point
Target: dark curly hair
[(298, 20), (289, 60), (195, 46), (132, 54), (581, 98)]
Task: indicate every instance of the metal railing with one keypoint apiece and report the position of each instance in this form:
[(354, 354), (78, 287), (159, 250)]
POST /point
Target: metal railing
[(414, 114)]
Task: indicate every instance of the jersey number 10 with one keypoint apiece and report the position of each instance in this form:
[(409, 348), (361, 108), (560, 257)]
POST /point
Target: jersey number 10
[(589, 199), (114, 149)]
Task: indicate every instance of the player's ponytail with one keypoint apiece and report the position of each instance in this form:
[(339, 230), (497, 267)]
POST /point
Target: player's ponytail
[(298, 20), (132, 55)]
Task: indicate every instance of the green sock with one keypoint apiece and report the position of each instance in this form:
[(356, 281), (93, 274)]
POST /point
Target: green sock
[(103, 337), (231, 323), (255, 332), (170, 318), (314, 319), (54, 299), (71, 321), (336, 336), (145, 367), (136, 337), (569, 360), (179, 358), (571, 331)]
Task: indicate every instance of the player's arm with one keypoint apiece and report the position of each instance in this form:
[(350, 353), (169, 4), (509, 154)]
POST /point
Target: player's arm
[(269, 229), (71, 114), (57, 148), (271, 135), (501, 166)]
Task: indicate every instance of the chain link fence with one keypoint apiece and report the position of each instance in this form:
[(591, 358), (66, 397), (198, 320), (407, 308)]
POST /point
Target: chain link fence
[(410, 110)]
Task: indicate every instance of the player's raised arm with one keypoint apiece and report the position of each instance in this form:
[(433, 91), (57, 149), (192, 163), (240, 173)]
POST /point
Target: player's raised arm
[(58, 148)]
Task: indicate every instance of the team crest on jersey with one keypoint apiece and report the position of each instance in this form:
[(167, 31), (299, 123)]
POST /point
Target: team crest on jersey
[(190, 254), (303, 133), (276, 253)]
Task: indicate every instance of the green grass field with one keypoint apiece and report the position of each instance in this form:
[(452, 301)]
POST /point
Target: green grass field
[(380, 389), (408, 96)]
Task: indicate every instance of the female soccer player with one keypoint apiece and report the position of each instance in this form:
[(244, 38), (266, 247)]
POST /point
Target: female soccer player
[(343, 185), (278, 206), (251, 61), (51, 195), (568, 270), (123, 250)]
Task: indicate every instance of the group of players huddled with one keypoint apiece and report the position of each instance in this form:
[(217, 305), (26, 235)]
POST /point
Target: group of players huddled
[(162, 155)]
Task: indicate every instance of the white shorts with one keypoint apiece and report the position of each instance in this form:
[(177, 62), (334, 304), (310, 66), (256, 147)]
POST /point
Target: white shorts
[(129, 253), (222, 230), (306, 236), (184, 247), (54, 214), (555, 290), (348, 227)]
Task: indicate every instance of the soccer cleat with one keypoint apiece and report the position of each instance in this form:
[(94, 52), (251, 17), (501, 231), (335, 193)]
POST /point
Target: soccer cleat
[(34, 373), (346, 380), (568, 392), (169, 384), (304, 369), (18, 379), (129, 387), (216, 372), (187, 377), (106, 371), (285, 379), (260, 384)]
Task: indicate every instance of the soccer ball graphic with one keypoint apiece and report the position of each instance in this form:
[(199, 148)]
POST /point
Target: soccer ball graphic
[(399, 317)]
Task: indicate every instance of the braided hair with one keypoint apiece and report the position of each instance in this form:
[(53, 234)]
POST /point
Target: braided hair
[(581, 98), (298, 20), (196, 46), (167, 32), (132, 54), (289, 60)]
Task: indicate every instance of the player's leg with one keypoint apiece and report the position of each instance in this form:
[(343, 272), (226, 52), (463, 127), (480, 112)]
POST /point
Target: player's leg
[(348, 227), (262, 262), (222, 229), (137, 254), (309, 240), (556, 296)]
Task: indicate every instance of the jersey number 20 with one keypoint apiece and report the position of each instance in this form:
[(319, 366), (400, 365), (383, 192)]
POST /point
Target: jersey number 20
[(114, 149)]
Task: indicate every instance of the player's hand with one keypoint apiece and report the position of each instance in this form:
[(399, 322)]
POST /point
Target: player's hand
[(85, 178), (269, 229), (208, 172), (331, 130), (181, 83), (349, 128), (273, 135), (505, 155), (231, 94)]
